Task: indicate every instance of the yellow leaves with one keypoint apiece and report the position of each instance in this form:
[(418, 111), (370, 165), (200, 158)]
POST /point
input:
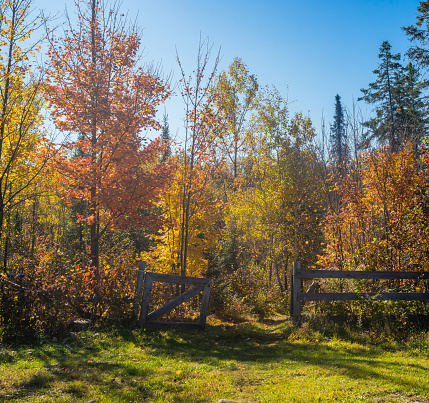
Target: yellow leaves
[(205, 212), (24, 149)]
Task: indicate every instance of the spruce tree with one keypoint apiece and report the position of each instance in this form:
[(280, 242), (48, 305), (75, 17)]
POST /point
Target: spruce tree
[(166, 138), (384, 94), (411, 110), (339, 136), (419, 33)]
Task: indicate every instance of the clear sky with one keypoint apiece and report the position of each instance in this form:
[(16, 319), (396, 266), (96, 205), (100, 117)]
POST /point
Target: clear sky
[(309, 50)]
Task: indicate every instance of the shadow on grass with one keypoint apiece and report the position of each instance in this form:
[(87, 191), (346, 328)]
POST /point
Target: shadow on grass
[(249, 344), (81, 368), (76, 373)]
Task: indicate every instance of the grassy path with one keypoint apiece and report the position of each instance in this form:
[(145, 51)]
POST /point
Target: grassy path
[(249, 362)]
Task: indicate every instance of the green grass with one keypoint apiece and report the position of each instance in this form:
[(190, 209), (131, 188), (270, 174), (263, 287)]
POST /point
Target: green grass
[(248, 362)]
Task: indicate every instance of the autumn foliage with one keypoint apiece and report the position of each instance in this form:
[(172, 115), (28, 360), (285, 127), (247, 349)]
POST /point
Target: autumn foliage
[(382, 223), (95, 88), (245, 189)]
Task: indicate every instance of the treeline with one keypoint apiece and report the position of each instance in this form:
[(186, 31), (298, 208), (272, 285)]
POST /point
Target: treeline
[(248, 189)]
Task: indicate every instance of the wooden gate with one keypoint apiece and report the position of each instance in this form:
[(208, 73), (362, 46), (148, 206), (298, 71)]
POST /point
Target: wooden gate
[(200, 285)]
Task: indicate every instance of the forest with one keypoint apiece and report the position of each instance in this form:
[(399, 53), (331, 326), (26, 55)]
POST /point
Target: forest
[(86, 194)]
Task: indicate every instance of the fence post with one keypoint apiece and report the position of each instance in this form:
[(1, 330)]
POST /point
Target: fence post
[(296, 290), (139, 287), (204, 305), (146, 299), (291, 294)]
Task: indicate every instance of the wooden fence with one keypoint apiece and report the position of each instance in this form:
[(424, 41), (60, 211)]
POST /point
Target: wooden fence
[(200, 285), (298, 296)]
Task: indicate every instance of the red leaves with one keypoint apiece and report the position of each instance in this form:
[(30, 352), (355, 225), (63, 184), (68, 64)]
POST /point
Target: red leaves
[(96, 88)]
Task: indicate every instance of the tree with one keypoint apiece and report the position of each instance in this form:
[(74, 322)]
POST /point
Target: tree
[(203, 124), (383, 223), (339, 147), (189, 204), (24, 149), (274, 216), (254, 245), (166, 139), (95, 87), (301, 190), (383, 93), (420, 33), (237, 91), (412, 110), (205, 210)]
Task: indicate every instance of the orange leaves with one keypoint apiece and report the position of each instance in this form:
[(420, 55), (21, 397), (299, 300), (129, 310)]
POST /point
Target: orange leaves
[(95, 88), (381, 224), (89, 220)]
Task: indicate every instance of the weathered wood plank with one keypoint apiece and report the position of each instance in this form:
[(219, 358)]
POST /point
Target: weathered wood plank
[(204, 305), (296, 289), (351, 296), (380, 275), (291, 294), (174, 279), (174, 302), (146, 299), (139, 283), (139, 287), (163, 323)]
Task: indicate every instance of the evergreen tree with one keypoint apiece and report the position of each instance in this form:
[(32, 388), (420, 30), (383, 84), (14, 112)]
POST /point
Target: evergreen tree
[(339, 136), (384, 93), (420, 33), (411, 110), (166, 138)]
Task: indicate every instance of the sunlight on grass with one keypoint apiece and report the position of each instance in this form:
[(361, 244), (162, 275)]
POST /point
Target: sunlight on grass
[(249, 362)]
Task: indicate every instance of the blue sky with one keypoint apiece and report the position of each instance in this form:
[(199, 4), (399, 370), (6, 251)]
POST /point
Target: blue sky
[(309, 50)]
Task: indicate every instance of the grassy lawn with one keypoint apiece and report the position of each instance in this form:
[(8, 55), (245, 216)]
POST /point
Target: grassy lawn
[(247, 362)]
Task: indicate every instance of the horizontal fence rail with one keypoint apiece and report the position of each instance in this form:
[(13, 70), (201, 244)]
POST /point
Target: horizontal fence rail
[(363, 275), (298, 296)]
